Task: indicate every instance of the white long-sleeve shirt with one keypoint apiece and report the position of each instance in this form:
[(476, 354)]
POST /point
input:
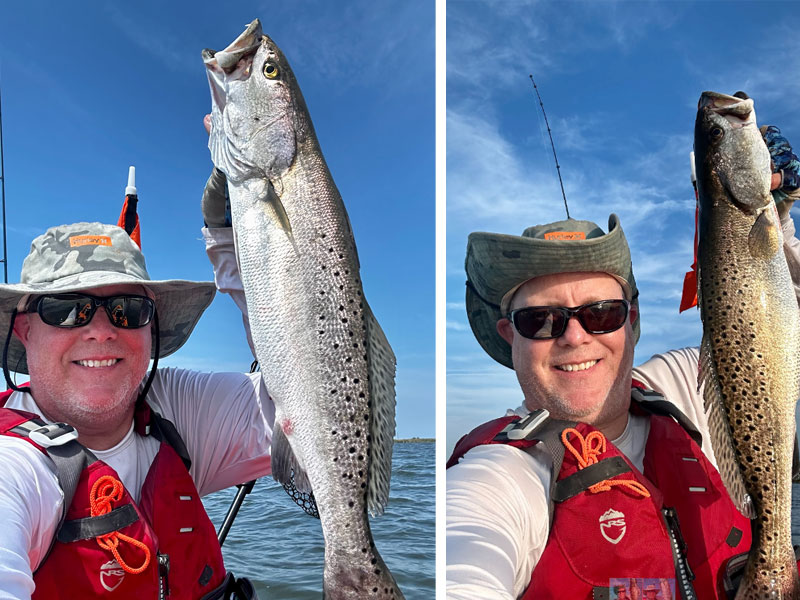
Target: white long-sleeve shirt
[(498, 496), (225, 420)]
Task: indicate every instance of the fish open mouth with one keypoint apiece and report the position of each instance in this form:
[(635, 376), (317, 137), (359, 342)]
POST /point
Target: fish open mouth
[(243, 46), (737, 111), (232, 62)]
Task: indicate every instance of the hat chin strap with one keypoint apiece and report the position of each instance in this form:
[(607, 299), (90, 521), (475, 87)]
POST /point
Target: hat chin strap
[(6, 372), (29, 390), (149, 381)]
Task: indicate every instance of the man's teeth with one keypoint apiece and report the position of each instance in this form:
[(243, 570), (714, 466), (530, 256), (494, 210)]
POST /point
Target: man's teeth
[(578, 367), (98, 363)]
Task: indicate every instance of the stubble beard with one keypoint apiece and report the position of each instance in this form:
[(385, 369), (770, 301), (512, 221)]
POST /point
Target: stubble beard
[(86, 410), (617, 398), (82, 409)]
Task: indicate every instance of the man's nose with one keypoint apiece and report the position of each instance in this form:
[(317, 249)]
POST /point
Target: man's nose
[(100, 327), (574, 334)]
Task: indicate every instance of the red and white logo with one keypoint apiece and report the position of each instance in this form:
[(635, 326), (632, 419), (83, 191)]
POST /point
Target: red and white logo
[(612, 525), (111, 575)]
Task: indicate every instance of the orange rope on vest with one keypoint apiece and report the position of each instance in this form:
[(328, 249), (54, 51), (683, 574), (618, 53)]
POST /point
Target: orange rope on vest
[(592, 446), (111, 489)]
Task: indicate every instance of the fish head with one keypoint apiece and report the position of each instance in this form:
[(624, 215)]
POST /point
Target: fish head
[(257, 113), (731, 157)]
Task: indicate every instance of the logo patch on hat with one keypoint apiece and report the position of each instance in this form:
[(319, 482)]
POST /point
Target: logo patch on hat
[(612, 525), (565, 235), (89, 240)]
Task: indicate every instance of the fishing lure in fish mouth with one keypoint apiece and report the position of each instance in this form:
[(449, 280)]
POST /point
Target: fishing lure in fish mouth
[(324, 358)]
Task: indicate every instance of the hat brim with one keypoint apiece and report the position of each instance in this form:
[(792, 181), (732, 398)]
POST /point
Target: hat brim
[(497, 263), (179, 304)]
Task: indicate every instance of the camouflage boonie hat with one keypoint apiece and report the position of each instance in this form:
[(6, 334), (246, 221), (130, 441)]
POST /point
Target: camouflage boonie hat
[(498, 264), (82, 256)]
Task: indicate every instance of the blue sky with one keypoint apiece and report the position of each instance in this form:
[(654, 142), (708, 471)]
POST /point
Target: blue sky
[(88, 92), (620, 83)]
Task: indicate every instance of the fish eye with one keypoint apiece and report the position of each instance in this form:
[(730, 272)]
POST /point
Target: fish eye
[(270, 70), (715, 133)]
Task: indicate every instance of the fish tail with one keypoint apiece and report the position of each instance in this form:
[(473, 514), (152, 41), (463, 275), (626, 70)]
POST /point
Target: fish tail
[(778, 582), (349, 581)]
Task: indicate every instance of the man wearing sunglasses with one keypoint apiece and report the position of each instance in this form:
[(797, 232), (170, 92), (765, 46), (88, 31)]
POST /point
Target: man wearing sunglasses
[(593, 478), (102, 464)]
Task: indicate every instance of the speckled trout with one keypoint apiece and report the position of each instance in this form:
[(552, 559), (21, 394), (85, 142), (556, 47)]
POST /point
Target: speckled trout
[(323, 356), (751, 338)]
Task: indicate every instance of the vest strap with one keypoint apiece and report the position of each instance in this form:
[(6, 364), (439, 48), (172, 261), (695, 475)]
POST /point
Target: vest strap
[(654, 403), (69, 457), (92, 527), (587, 477), (164, 431), (526, 428)]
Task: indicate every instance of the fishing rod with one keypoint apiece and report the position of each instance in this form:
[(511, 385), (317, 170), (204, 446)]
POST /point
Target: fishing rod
[(558, 167), (3, 192), (243, 490)]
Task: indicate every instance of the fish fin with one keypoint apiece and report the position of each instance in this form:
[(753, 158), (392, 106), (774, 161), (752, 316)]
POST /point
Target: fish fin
[(720, 434), (382, 363), (285, 466), (276, 212), (765, 238)]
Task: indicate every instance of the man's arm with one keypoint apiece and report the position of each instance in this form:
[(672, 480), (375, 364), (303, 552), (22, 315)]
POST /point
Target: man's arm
[(30, 504), (225, 420), (497, 522)]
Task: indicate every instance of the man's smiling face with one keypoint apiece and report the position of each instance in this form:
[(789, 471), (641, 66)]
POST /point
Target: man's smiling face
[(85, 375), (578, 376)]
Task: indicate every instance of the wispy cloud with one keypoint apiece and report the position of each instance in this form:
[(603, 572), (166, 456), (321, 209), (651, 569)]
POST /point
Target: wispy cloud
[(456, 326), (394, 48), (152, 36)]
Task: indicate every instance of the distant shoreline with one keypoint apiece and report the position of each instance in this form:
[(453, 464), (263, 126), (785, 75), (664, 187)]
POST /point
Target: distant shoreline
[(415, 440)]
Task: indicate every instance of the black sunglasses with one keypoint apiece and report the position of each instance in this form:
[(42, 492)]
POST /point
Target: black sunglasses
[(126, 311), (548, 322)]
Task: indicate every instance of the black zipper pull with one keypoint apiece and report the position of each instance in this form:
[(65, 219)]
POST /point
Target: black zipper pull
[(163, 576), (683, 571)]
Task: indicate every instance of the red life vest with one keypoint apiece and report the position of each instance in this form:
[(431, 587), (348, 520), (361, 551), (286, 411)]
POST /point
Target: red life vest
[(599, 538), (185, 559)]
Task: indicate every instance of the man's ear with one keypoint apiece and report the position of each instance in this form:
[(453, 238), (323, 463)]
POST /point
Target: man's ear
[(506, 330), (633, 312), (22, 327)]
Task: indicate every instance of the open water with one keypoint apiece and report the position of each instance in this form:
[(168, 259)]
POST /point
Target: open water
[(280, 548), (796, 514)]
